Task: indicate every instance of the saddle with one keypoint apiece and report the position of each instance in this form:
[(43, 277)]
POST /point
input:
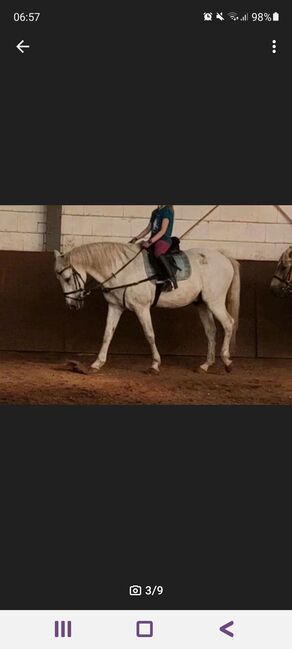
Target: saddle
[(174, 248), (155, 272)]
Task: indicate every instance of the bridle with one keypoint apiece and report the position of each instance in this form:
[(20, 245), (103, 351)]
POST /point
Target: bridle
[(77, 282), (84, 291), (286, 279)]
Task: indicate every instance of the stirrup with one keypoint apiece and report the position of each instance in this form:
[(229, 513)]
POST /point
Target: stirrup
[(168, 285), (173, 282)]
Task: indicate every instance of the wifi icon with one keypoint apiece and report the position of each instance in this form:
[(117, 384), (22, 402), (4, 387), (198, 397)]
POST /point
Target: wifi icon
[(233, 15)]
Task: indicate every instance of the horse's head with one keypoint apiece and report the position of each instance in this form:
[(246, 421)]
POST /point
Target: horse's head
[(72, 281), (281, 284)]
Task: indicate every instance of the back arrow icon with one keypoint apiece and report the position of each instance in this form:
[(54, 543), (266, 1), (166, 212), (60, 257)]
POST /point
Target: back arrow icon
[(21, 46), (225, 627)]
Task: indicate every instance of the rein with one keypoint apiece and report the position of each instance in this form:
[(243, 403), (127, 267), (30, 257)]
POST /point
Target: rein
[(98, 285), (114, 288), (77, 278)]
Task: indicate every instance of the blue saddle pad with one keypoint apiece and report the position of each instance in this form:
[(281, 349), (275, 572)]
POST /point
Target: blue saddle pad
[(180, 259)]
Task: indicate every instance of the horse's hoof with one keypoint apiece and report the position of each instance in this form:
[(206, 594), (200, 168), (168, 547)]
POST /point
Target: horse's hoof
[(228, 368), (93, 370), (152, 370), (201, 370)]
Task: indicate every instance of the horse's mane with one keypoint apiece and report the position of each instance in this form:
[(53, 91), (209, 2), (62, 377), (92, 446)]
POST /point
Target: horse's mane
[(102, 256)]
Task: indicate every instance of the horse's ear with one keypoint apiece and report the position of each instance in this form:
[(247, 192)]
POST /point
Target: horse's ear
[(57, 254)]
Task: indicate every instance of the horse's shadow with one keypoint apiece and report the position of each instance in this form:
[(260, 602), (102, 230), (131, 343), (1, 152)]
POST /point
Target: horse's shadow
[(76, 367)]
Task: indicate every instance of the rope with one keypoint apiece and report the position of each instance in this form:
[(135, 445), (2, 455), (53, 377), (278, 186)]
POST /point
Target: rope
[(280, 209), (108, 290), (283, 212), (125, 286), (100, 285), (199, 221)]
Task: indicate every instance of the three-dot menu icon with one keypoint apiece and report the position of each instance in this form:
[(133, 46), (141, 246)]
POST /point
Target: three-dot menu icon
[(274, 46)]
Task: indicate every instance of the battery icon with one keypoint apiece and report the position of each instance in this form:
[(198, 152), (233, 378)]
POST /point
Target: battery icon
[(276, 16)]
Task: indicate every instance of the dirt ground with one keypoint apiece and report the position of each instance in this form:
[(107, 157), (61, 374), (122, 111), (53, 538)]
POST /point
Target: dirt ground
[(44, 379)]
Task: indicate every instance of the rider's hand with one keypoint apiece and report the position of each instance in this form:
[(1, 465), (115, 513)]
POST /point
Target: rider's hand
[(145, 244)]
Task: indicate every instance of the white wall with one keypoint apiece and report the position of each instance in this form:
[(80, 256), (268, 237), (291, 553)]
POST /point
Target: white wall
[(244, 231), (22, 227)]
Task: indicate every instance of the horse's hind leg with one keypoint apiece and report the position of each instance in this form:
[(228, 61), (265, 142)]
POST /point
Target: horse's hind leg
[(210, 331), (113, 315), (144, 316), (227, 322)]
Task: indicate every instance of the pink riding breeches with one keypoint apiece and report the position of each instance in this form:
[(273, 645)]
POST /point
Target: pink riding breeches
[(161, 247)]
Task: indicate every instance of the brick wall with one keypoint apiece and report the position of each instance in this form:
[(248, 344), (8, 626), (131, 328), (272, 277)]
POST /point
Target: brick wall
[(257, 232), (22, 227), (254, 232)]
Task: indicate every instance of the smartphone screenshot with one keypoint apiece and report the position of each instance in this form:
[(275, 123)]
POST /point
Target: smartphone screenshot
[(145, 347)]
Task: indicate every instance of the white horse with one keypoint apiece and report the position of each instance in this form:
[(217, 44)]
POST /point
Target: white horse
[(214, 283)]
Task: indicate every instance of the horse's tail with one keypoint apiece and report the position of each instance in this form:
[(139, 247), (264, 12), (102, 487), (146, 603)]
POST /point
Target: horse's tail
[(233, 299)]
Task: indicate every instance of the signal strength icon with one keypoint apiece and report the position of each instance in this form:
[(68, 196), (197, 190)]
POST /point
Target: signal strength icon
[(233, 15), (245, 17)]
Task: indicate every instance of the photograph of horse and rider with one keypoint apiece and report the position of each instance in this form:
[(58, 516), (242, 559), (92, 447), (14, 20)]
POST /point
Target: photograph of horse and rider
[(198, 287)]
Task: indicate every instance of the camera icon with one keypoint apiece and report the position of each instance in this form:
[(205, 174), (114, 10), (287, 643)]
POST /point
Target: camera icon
[(134, 591)]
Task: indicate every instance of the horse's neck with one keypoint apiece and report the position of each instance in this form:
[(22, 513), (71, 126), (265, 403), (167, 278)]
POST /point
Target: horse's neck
[(103, 272), (100, 276)]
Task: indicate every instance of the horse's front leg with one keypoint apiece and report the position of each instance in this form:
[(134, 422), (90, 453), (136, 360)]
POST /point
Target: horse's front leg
[(113, 315), (143, 314)]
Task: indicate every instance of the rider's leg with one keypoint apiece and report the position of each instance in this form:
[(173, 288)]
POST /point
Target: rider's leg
[(160, 248)]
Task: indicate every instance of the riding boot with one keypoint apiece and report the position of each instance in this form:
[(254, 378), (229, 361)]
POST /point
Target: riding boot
[(165, 263)]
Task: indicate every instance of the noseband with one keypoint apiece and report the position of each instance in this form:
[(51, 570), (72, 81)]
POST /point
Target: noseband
[(286, 279), (78, 282)]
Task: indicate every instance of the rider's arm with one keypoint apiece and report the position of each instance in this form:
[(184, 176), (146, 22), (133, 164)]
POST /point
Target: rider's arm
[(161, 232), (143, 233)]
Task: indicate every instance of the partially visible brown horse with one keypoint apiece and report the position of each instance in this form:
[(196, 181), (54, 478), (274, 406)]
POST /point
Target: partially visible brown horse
[(281, 284)]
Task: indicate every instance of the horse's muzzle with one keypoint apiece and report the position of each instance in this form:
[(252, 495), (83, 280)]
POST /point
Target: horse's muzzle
[(278, 288), (75, 306)]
